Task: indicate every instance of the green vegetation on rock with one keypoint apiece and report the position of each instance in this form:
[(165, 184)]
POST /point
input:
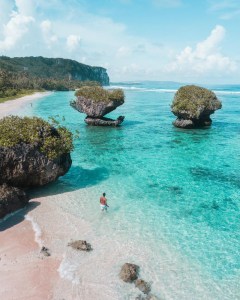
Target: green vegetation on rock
[(52, 141), (194, 100), (99, 94)]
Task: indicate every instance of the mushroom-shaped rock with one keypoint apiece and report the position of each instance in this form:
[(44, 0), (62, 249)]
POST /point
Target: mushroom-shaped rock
[(143, 286), (96, 102), (80, 245), (32, 152), (11, 199), (193, 106), (129, 272)]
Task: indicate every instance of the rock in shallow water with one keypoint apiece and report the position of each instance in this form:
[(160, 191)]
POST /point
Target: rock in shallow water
[(193, 106), (11, 199), (143, 286), (129, 272), (104, 121), (80, 245)]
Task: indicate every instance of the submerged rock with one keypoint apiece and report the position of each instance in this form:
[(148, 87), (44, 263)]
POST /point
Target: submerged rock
[(129, 272), (193, 106), (80, 245), (11, 199), (143, 286), (96, 102)]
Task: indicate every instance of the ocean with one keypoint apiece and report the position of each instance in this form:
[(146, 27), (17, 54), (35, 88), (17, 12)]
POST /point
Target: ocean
[(174, 194)]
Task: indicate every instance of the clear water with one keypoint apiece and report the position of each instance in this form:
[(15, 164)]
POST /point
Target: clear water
[(165, 186)]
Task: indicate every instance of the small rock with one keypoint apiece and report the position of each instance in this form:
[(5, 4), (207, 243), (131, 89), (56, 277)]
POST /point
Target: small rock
[(143, 286), (45, 251), (80, 245), (129, 272)]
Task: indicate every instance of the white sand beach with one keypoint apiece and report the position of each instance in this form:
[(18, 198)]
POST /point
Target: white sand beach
[(12, 106)]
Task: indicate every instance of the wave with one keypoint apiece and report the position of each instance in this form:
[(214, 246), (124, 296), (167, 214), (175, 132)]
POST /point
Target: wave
[(37, 230), (161, 90)]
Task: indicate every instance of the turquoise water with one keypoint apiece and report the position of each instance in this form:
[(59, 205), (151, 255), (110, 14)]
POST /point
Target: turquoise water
[(164, 185)]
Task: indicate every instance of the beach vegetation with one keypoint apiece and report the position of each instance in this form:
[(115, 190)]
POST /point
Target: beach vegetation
[(52, 141), (99, 94)]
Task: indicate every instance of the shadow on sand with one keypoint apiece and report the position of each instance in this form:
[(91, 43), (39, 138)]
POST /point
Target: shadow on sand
[(77, 178), (18, 216)]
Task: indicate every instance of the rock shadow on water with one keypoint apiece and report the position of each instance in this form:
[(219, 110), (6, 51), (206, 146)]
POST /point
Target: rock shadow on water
[(18, 216), (77, 178)]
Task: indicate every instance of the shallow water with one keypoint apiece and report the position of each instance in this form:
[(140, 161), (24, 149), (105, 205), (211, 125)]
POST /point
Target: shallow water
[(173, 194)]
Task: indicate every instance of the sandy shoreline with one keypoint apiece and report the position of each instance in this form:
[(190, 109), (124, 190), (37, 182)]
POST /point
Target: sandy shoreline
[(12, 106)]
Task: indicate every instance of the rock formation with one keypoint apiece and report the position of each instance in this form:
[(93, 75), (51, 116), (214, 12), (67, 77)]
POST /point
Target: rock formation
[(80, 245), (32, 153), (129, 272), (143, 286), (11, 199), (96, 102), (193, 106), (24, 165)]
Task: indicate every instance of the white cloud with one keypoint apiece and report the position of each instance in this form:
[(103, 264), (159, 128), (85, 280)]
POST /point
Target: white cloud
[(123, 51), (73, 42), (26, 7), (226, 9), (49, 37), (14, 30), (205, 58)]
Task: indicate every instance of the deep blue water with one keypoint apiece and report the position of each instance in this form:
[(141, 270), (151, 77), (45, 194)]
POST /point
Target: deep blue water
[(182, 186)]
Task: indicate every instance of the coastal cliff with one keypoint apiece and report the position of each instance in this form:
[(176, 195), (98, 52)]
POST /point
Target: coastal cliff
[(59, 68)]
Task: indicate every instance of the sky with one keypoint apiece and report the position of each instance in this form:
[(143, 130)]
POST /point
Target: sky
[(172, 40)]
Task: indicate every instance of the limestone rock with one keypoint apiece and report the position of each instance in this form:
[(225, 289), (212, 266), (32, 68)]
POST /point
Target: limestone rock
[(95, 109), (104, 121), (11, 199), (129, 272), (80, 245), (193, 106), (24, 165), (143, 286)]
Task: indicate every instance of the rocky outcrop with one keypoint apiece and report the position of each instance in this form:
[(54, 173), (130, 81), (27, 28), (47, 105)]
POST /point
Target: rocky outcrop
[(32, 153), (143, 286), (80, 245), (95, 109), (129, 272), (193, 106), (96, 102), (11, 199), (104, 121), (24, 165)]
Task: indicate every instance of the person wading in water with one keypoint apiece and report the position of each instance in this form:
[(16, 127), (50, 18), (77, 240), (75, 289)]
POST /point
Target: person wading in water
[(103, 202)]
